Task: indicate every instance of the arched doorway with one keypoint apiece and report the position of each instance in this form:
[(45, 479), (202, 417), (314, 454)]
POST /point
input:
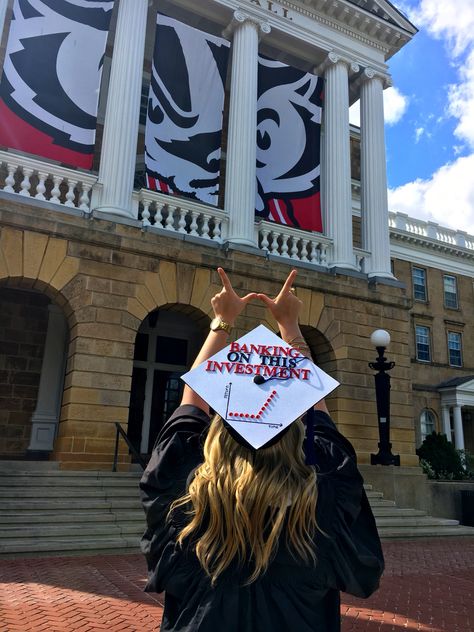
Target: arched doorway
[(33, 339), (166, 344)]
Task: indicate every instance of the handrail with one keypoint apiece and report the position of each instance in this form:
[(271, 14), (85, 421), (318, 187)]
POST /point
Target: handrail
[(134, 451)]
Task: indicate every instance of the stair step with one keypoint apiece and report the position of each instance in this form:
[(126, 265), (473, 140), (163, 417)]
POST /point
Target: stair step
[(70, 517), (373, 495), (425, 532), (396, 512), (376, 502), (59, 492), (45, 532), (408, 523), (65, 504), (71, 546)]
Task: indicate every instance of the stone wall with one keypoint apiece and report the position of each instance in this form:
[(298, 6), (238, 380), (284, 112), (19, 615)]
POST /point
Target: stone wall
[(108, 276), (23, 325)]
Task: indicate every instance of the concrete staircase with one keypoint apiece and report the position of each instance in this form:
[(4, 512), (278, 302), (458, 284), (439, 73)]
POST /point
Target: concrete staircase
[(396, 523), (46, 512)]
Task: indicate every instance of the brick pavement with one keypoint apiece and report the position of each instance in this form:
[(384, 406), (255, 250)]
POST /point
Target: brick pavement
[(428, 587)]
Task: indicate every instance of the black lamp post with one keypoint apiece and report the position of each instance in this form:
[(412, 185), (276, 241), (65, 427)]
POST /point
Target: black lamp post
[(381, 339)]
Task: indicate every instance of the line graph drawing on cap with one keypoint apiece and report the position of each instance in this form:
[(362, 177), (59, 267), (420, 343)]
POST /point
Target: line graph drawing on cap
[(251, 417)]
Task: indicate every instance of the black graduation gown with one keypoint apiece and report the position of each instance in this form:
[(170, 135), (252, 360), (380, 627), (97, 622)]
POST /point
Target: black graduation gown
[(290, 596)]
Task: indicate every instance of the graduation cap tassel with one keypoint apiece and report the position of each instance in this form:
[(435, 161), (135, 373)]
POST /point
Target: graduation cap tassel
[(309, 450)]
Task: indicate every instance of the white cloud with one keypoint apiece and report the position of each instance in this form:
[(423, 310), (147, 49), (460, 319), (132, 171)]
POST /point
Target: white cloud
[(447, 197), (453, 20), (461, 101), (395, 105), (419, 133)]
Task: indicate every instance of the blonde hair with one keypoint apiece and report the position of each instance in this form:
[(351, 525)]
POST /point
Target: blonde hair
[(240, 498)]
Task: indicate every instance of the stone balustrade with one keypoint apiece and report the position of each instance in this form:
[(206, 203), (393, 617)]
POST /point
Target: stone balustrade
[(292, 243), (431, 230), (182, 216), (34, 178)]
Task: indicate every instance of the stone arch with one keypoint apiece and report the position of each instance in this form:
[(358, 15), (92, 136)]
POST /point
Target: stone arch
[(166, 345), (323, 354)]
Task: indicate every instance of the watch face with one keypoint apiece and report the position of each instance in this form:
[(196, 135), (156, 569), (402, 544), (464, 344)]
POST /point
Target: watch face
[(215, 324)]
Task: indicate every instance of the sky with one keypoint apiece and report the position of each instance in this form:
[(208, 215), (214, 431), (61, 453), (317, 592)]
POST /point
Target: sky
[(429, 115)]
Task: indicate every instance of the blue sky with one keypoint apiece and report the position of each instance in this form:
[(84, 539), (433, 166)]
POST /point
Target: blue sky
[(430, 115)]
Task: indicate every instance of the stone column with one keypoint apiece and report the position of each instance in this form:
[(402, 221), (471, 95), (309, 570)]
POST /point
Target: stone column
[(374, 204), (240, 181), (46, 416), (446, 422), (337, 201), (3, 11), (458, 429), (119, 144)]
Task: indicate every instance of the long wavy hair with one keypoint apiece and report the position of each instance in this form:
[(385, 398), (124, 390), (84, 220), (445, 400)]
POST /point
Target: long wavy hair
[(240, 500)]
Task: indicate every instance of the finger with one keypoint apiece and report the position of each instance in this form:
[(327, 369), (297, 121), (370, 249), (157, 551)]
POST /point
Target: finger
[(225, 279), (289, 282), (249, 297), (265, 299)]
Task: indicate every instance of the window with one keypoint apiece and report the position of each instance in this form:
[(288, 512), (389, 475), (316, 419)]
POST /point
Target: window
[(454, 348), (427, 424), (450, 292), (423, 348), (419, 284)]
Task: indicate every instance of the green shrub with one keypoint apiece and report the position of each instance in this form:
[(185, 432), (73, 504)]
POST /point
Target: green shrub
[(442, 457)]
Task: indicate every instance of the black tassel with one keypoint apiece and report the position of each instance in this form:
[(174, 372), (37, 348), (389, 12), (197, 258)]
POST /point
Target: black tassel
[(309, 450)]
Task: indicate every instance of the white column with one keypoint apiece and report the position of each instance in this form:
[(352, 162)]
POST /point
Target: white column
[(446, 422), (240, 181), (119, 144), (3, 11), (337, 192), (458, 429), (374, 204), (46, 416)]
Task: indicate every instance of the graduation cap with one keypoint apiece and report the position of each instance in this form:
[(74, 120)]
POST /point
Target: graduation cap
[(259, 385)]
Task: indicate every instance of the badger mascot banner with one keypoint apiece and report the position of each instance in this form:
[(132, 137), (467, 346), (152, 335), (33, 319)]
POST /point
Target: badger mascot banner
[(185, 108), (288, 145), (49, 90)]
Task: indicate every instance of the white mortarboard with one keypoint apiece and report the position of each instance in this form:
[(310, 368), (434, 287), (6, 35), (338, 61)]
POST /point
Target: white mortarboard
[(259, 385)]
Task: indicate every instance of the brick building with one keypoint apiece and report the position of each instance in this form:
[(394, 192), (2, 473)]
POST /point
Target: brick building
[(98, 275)]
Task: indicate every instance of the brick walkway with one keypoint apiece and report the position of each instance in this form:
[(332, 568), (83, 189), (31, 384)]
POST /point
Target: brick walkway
[(428, 586)]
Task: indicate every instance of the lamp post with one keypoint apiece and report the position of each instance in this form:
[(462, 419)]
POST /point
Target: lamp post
[(381, 339)]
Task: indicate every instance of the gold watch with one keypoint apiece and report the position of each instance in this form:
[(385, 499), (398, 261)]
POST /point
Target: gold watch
[(217, 324)]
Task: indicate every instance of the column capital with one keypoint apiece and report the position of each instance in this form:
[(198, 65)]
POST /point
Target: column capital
[(371, 73), (333, 58), (241, 17)]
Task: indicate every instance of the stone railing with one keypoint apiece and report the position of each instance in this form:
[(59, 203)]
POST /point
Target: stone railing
[(34, 178), (292, 243), (431, 230), (181, 216)]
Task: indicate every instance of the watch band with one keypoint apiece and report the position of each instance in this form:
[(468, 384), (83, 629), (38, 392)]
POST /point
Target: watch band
[(217, 324)]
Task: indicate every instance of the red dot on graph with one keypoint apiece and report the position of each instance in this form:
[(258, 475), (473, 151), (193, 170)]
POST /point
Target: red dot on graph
[(231, 414), (274, 392), (247, 415), (252, 416)]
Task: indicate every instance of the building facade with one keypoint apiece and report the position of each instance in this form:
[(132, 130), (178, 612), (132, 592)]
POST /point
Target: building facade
[(101, 277)]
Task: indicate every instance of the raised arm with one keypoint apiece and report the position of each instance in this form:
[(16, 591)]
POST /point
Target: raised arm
[(286, 308), (226, 306)]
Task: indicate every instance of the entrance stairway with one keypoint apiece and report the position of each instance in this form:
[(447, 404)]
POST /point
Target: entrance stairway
[(46, 511)]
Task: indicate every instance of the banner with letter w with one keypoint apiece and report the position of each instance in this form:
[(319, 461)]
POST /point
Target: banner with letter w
[(288, 145), (185, 110), (49, 91)]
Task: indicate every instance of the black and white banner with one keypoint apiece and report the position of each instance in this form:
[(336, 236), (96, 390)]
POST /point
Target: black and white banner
[(49, 90), (288, 145), (185, 110)]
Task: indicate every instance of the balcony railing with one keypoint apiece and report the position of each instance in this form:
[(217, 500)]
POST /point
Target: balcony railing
[(431, 230), (32, 178), (181, 216), (71, 189)]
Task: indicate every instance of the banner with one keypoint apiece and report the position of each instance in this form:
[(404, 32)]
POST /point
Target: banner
[(49, 91), (288, 145), (185, 108)]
